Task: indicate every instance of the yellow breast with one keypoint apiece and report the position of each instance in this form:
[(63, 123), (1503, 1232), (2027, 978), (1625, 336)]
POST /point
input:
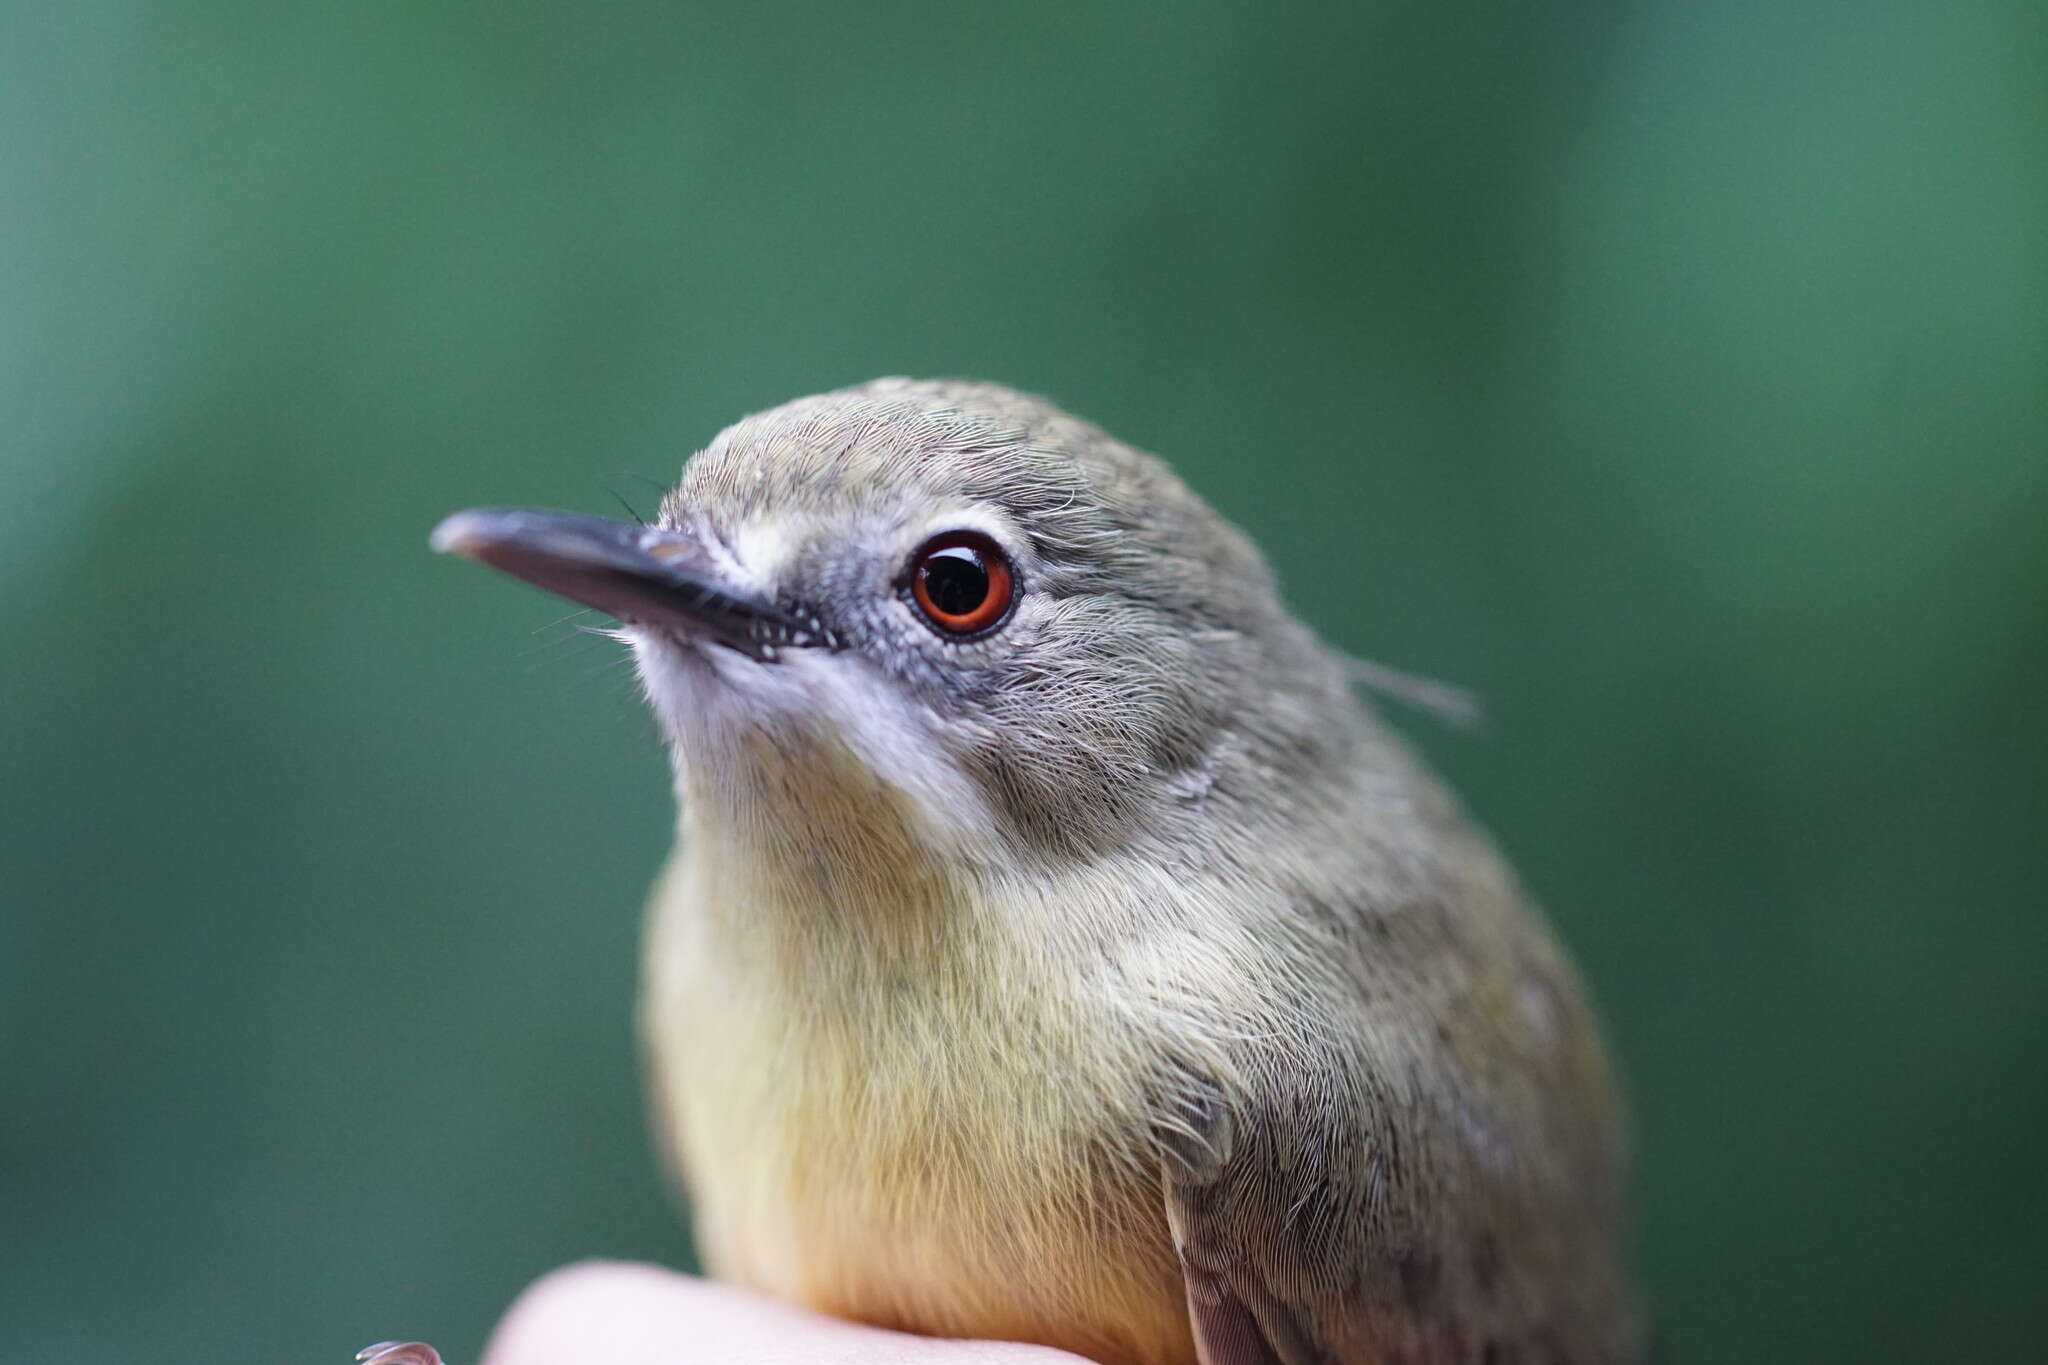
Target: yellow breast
[(917, 1148)]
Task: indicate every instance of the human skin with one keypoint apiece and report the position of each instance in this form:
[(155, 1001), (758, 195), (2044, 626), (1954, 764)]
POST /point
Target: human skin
[(627, 1314)]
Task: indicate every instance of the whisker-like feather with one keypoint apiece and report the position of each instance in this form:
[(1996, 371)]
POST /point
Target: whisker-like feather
[(1458, 707)]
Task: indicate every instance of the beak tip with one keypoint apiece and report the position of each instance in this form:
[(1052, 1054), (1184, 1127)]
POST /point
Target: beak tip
[(463, 533)]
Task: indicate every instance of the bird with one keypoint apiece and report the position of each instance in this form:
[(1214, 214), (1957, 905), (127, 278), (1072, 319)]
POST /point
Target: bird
[(1056, 947)]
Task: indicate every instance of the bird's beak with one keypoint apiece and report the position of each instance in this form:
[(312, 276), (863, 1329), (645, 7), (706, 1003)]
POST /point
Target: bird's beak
[(640, 574)]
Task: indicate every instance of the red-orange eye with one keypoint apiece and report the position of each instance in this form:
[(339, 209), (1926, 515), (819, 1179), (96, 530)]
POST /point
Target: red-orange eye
[(962, 582)]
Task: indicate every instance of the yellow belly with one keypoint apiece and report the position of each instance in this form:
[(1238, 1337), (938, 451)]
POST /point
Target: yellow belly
[(908, 1164)]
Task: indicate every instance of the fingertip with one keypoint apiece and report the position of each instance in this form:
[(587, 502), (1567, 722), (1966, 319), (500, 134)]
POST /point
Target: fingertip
[(627, 1313), (588, 1310)]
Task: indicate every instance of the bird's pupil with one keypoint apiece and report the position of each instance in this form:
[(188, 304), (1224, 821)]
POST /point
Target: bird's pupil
[(955, 580)]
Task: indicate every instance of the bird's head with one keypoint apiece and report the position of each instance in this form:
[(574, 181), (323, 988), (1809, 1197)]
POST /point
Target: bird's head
[(947, 598)]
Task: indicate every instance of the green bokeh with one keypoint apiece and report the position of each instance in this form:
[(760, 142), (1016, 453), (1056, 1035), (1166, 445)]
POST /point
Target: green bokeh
[(1675, 374)]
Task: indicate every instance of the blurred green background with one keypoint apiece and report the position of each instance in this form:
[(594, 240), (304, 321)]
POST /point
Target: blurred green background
[(1675, 374)]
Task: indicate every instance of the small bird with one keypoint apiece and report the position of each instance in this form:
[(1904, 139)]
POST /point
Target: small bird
[(1056, 949)]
